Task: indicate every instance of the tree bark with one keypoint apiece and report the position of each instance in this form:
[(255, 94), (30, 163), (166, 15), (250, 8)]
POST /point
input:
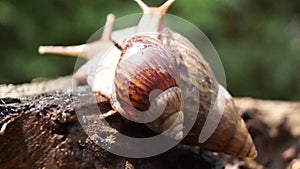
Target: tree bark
[(40, 129)]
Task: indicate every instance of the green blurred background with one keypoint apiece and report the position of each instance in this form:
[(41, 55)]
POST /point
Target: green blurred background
[(258, 40)]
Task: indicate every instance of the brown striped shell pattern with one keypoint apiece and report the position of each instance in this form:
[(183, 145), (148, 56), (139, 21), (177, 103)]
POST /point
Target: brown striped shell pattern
[(143, 78)]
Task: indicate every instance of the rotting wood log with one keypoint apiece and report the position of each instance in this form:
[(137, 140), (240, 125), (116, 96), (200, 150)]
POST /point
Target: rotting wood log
[(40, 129)]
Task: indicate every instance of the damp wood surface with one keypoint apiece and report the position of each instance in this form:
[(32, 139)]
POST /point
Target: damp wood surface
[(42, 130)]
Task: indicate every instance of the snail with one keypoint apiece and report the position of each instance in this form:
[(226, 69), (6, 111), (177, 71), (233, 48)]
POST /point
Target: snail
[(142, 76)]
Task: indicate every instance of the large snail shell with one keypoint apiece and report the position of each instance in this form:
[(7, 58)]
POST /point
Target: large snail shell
[(146, 83), (231, 135)]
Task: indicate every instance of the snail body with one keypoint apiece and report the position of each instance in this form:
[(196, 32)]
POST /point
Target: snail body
[(142, 77)]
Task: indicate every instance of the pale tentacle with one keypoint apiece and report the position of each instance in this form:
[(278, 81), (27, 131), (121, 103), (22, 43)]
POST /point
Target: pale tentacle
[(153, 15), (77, 50), (162, 9), (86, 51), (106, 34), (142, 5)]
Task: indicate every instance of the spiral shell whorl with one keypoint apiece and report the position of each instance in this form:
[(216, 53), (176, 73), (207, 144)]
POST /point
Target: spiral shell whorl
[(171, 121), (230, 135), (145, 79)]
